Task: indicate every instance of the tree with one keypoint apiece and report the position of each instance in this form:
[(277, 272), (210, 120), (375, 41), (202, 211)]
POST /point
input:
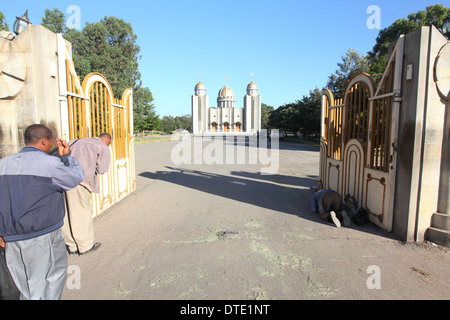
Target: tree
[(184, 122), (54, 20), (168, 124), (109, 47), (378, 57), (286, 118), (80, 55), (145, 117), (301, 116), (352, 63), (3, 24), (310, 110), (265, 114)]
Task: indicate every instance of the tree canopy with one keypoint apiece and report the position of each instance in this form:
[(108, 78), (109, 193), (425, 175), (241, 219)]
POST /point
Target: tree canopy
[(352, 64), (265, 114), (171, 123), (110, 48), (145, 117), (3, 24), (304, 115), (301, 116), (55, 21), (432, 15)]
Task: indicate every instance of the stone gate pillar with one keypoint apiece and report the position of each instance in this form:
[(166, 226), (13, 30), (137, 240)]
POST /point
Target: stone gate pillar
[(29, 85)]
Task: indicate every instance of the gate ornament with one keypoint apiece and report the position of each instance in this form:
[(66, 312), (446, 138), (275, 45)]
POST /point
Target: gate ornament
[(12, 69), (442, 71)]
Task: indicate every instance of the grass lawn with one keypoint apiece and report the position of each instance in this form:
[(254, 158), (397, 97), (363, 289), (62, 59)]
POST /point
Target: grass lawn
[(152, 139)]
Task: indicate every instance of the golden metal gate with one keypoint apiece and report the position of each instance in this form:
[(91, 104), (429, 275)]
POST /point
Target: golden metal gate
[(89, 109), (358, 152)]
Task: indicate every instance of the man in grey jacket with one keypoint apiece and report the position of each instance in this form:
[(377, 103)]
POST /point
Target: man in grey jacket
[(78, 230), (32, 212)]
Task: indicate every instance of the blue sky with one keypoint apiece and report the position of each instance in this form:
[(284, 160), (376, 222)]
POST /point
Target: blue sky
[(291, 46)]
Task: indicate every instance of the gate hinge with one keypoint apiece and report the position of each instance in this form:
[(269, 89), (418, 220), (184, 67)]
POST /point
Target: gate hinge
[(398, 96)]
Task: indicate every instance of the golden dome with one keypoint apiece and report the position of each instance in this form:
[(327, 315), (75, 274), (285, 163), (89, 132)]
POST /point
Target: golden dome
[(226, 92), (252, 85), (200, 85), (252, 89), (200, 89)]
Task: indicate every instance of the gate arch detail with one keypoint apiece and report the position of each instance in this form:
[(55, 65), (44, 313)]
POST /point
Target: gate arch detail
[(357, 157), (89, 109)]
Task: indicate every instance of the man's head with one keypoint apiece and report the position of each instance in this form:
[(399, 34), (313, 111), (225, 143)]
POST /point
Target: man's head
[(106, 138), (39, 136)]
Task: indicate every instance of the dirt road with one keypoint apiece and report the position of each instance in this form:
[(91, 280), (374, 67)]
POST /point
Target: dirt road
[(224, 231)]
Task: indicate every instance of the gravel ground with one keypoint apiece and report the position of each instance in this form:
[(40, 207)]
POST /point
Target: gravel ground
[(226, 232)]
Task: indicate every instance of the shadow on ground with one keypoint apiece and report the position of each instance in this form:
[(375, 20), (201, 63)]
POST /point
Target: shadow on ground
[(261, 143), (279, 193)]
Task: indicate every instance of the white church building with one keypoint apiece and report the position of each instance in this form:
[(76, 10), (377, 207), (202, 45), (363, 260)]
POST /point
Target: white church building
[(226, 118)]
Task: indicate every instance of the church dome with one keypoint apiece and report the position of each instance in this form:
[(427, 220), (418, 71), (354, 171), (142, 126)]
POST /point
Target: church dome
[(200, 89), (252, 85), (252, 89), (226, 92), (200, 85)]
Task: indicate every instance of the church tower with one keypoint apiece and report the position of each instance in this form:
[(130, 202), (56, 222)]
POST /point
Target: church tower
[(252, 109), (200, 102)]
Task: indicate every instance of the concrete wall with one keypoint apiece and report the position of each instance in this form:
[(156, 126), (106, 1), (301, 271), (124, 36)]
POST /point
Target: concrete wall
[(38, 101), (433, 131), (421, 132)]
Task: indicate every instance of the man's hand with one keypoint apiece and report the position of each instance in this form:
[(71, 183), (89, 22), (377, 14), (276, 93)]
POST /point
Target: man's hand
[(63, 147), (2, 242)]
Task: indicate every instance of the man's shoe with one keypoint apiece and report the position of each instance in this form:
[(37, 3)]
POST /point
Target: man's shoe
[(336, 221), (71, 253), (94, 247)]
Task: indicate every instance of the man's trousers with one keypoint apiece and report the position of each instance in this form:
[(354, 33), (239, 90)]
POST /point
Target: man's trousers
[(38, 266), (78, 229)]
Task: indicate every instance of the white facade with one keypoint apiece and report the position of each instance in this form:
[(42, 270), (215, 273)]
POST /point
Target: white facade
[(226, 118)]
